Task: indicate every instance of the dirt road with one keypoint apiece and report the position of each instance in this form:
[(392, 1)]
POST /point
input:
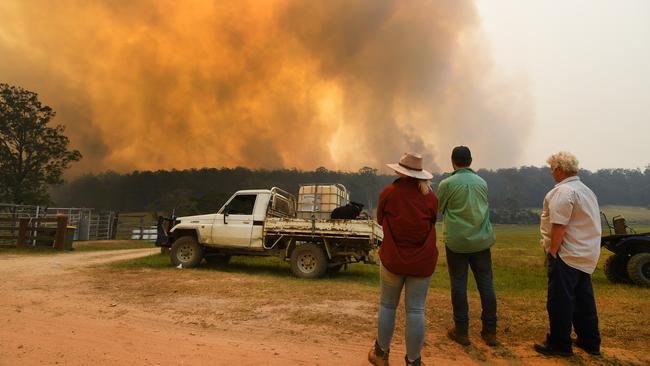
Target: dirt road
[(66, 309)]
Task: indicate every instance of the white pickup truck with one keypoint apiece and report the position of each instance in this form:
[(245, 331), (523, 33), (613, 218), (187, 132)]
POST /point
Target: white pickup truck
[(266, 222)]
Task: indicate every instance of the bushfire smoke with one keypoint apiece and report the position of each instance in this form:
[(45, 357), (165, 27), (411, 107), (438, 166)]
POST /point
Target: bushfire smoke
[(153, 84)]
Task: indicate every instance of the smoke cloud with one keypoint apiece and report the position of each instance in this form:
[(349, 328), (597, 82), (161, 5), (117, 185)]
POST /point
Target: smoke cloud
[(154, 84)]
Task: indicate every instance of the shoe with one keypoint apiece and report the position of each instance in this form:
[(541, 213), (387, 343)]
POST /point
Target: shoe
[(453, 334), (417, 362), (547, 350), (377, 356), (490, 338), (593, 352)]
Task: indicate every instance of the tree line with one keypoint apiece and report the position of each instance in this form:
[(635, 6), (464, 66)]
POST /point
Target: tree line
[(205, 190)]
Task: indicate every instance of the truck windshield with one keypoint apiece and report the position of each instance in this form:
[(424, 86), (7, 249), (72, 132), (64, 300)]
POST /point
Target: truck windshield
[(242, 204)]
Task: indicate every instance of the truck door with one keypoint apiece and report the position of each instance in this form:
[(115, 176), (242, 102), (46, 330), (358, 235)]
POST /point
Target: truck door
[(234, 225)]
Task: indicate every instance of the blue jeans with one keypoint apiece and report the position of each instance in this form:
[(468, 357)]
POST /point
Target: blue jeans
[(570, 301), (481, 265), (415, 299)]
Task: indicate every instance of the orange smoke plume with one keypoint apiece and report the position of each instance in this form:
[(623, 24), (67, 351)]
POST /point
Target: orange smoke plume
[(153, 84)]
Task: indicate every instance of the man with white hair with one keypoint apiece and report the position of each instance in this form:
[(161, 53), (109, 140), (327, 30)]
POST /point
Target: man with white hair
[(570, 228)]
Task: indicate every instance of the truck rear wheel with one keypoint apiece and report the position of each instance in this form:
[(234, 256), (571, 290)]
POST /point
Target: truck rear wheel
[(616, 268), (187, 252), (639, 269), (308, 261)]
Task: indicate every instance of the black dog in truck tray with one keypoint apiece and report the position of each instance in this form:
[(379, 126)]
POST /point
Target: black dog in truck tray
[(350, 211)]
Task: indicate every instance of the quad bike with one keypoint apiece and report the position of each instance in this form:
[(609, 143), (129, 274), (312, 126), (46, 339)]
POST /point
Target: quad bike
[(631, 259)]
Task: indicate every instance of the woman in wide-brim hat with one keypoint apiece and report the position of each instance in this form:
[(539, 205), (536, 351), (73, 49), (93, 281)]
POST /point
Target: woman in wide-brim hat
[(407, 212)]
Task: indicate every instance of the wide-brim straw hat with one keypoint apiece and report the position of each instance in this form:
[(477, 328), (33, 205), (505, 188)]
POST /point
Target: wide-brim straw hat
[(411, 164)]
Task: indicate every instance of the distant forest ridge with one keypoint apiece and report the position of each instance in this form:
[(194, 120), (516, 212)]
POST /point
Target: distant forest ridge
[(205, 190)]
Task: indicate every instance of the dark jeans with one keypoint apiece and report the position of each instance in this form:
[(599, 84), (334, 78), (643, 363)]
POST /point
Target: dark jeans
[(570, 301), (481, 265)]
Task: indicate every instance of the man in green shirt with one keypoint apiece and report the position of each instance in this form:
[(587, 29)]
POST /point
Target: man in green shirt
[(468, 236)]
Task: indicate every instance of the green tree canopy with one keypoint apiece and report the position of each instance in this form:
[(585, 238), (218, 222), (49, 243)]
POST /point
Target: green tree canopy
[(32, 153)]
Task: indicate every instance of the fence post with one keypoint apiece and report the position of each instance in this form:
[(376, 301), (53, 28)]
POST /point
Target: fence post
[(90, 219), (14, 216), (22, 232), (141, 227), (35, 232), (61, 227), (114, 222)]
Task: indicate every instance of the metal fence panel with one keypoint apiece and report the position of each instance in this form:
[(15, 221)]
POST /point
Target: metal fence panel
[(90, 224)]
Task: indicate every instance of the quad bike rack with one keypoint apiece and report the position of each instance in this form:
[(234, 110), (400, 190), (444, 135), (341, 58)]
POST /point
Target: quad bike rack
[(631, 260)]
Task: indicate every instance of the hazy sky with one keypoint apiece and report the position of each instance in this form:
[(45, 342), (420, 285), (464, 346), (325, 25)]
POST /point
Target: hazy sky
[(587, 66)]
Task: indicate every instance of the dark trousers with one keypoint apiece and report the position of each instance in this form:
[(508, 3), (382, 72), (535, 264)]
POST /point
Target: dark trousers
[(570, 302), (481, 265)]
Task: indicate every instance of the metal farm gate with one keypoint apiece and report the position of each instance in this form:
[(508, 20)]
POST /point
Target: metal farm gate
[(90, 224)]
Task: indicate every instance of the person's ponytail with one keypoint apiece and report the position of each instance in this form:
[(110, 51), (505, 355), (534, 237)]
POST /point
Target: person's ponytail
[(424, 187)]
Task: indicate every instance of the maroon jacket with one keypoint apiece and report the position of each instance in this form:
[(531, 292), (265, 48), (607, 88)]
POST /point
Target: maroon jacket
[(408, 218)]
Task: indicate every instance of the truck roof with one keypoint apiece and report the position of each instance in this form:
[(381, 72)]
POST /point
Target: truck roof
[(254, 191)]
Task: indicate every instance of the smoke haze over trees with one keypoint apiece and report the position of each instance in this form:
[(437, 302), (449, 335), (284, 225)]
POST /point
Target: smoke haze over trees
[(149, 84), (205, 190)]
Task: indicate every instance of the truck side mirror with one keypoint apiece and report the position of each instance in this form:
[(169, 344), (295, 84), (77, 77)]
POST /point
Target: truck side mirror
[(225, 214)]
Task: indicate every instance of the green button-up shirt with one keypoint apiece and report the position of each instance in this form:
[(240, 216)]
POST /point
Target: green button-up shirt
[(463, 199)]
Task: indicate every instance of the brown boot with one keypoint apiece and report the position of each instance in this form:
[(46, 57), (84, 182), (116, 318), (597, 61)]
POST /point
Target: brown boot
[(490, 337), (377, 356), (461, 339)]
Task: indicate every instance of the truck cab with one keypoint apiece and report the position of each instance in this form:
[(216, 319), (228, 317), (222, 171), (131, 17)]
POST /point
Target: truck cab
[(239, 222)]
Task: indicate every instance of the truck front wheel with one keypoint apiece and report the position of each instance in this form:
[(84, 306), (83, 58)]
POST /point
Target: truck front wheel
[(186, 252), (308, 261)]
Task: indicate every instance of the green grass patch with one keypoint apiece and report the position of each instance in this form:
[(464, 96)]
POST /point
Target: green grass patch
[(518, 264)]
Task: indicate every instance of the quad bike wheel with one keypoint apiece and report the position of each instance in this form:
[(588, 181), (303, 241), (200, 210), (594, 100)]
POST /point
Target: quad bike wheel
[(616, 268), (639, 269)]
